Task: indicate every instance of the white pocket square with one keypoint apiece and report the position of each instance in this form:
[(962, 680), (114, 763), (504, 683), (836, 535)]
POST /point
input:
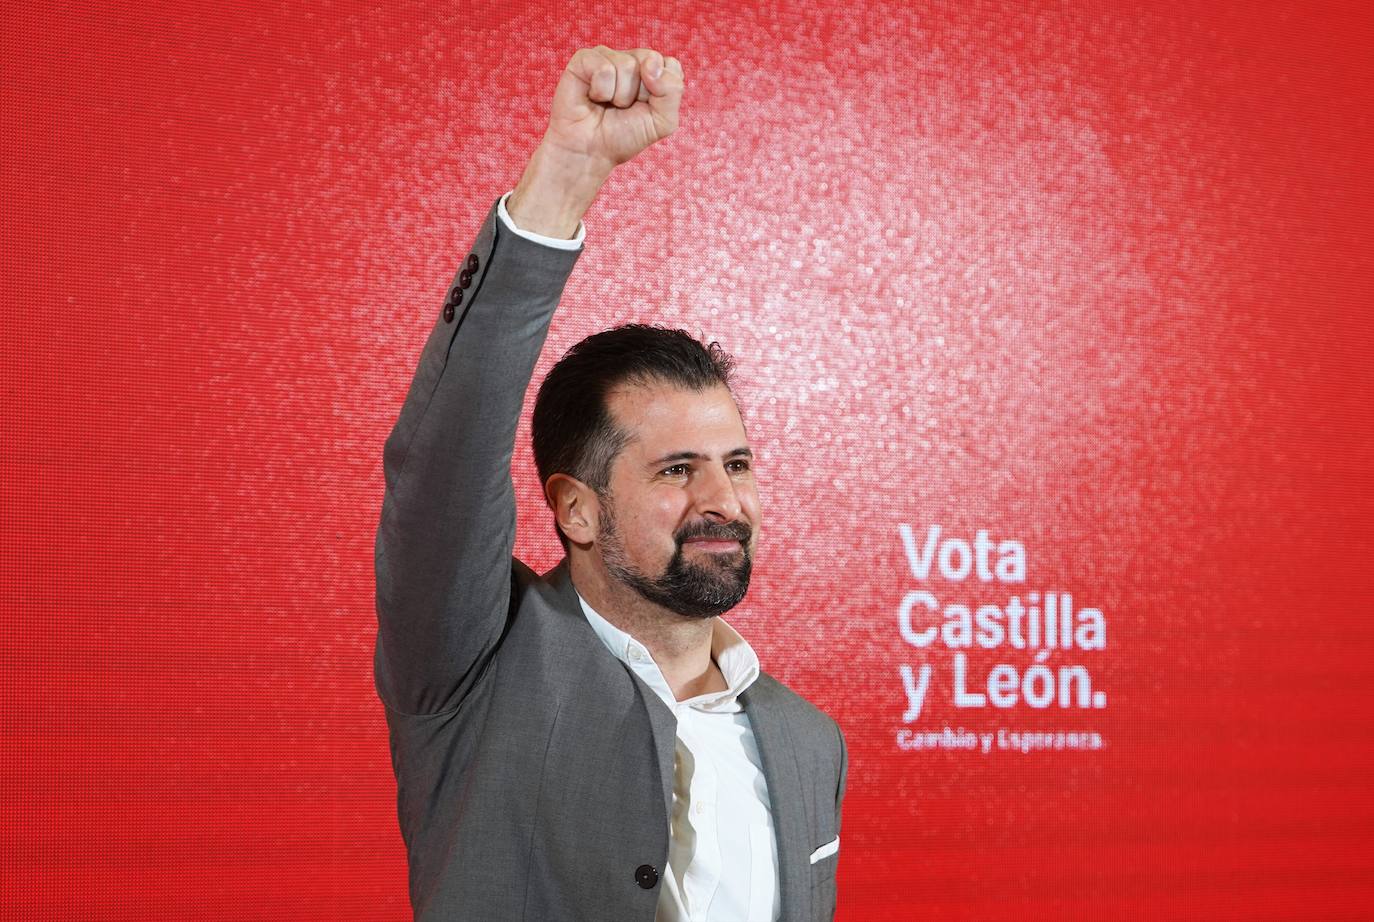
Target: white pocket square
[(826, 850)]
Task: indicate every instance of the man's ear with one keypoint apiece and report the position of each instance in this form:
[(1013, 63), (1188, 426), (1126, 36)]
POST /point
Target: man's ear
[(575, 507)]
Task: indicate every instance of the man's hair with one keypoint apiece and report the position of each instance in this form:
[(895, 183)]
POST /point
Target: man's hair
[(573, 430)]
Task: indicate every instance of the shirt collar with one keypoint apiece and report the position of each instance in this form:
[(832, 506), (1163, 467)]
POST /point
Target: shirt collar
[(738, 662)]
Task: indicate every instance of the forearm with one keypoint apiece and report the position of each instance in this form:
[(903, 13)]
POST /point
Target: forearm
[(555, 191)]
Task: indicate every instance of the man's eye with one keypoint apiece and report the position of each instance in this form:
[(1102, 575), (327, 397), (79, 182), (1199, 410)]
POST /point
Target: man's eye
[(738, 466), (677, 470)]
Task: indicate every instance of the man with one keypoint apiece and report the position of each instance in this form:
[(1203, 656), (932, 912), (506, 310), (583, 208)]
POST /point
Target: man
[(595, 743)]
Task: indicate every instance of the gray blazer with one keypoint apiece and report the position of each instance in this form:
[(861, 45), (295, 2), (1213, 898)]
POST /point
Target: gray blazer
[(534, 769)]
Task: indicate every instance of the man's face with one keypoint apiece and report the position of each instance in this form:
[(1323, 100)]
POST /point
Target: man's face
[(681, 512)]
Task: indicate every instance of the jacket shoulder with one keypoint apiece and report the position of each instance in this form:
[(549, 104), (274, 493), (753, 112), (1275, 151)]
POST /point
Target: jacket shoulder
[(801, 713)]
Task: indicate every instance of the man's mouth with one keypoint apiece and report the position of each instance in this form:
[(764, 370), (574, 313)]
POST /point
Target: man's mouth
[(713, 545), (716, 537)]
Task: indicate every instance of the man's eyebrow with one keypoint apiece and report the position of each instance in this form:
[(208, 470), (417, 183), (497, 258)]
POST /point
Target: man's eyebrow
[(743, 452)]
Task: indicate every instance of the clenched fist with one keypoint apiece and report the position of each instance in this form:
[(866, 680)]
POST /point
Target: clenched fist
[(609, 106)]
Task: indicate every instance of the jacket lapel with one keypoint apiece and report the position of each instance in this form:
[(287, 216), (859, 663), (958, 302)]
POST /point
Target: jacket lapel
[(786, 794), (661, 719)]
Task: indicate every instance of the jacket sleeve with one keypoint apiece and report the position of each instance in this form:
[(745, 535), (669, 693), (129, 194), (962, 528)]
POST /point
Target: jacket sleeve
[(447, 529), (844, 777)]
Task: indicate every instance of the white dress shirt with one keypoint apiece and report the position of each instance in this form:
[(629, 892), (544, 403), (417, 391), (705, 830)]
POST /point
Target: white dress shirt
[(722, 850)]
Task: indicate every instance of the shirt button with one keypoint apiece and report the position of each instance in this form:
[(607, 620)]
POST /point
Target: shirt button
[(646, 875)]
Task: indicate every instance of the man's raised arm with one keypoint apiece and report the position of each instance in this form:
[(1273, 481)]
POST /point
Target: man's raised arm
[(448, 517)]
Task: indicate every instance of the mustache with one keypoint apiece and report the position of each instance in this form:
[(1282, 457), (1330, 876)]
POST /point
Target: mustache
[(717, 531)]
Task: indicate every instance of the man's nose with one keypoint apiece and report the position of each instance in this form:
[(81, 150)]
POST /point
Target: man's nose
[(716, 496)]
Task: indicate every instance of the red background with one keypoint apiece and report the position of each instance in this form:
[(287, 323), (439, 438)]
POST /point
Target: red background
[(1093, 278)]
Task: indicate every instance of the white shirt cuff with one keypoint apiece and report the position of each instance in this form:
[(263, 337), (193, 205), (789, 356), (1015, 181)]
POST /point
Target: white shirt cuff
[(558, 243)]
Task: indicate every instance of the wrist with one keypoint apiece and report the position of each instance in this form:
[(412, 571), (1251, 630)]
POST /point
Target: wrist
[(555, 191)]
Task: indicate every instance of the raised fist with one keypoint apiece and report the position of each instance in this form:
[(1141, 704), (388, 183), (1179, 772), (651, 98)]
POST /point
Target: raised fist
[(610, 105)]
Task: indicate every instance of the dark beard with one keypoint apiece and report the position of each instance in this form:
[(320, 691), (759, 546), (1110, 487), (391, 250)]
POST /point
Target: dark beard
[(693, 590)]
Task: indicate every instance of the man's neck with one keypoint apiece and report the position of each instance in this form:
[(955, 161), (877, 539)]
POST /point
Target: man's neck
[(681, 647)]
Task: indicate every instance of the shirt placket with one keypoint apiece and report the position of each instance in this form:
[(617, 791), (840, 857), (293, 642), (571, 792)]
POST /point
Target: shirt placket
[(703, 874)]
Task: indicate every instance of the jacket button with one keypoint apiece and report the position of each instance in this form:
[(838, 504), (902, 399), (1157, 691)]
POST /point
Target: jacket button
[(464, 279), (448, 313), (472, 263), (455, 297), (646, 875)]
